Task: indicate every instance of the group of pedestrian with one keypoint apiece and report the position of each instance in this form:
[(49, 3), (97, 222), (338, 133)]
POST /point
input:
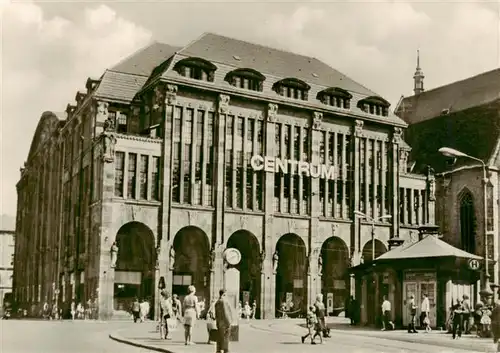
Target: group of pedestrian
[(425, 309), (315, 322), (247, 312), (140, 310), (189, 312)]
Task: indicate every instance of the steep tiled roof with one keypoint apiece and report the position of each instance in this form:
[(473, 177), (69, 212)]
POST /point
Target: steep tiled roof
[(146, 59), (125, 79), (474, 131), (241, 54), (457, 96), (428, 247)]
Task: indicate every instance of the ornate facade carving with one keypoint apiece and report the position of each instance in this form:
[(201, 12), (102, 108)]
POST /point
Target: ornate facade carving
[(431, 184), (403, 160), (276, 258), (102, 111), (224, 103), (171, 262), (272, 112), (114, 254), (358, 128), (317, 120), (171, 95), (158, 98), (109, 140), (397, 135)]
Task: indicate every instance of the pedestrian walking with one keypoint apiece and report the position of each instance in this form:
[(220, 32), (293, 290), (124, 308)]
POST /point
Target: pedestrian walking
[(176, 307), (457, 320), (143, 310), (247, 311), (425, 309), (223, 318), (386, 315), (73, 310), (166, 313), (254, 309), (136, 309), (319, 310), (312, 324), (191, 313), (467, 314), (412, 308), (495, 325)]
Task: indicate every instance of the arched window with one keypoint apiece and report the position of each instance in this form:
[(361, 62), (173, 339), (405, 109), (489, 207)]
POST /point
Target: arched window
[(246, 78), (336, 97), (292, 88), (467, 223), (374, 105), (196, 68)]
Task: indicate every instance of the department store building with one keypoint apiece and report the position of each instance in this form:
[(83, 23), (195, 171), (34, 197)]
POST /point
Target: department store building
[(175, 154)]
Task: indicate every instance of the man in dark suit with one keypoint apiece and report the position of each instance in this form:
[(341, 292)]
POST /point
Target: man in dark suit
[(223, 317)]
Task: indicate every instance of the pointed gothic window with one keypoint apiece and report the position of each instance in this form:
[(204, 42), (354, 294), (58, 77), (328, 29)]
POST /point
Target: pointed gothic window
[(467, 223)]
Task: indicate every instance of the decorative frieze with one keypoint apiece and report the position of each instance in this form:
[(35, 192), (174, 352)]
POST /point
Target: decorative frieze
[(317, 120), (109, 143), (171, 95), (272, 112)]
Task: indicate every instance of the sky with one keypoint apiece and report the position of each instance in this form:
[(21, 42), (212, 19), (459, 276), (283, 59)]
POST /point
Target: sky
[(49, 49)]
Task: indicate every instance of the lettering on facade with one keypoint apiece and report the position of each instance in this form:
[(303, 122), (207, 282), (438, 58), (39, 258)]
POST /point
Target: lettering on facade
[(420, 276), (287, 166)]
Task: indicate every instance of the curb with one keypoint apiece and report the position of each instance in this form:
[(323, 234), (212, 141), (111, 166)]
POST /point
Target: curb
[(116, 337)]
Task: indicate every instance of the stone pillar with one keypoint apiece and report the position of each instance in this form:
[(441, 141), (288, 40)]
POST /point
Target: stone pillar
[(268, 277), (166, 96), (105, 153), (355, 229), (314, 273), (394, 176)]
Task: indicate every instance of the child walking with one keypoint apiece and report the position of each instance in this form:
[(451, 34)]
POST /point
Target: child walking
[(312, 323)]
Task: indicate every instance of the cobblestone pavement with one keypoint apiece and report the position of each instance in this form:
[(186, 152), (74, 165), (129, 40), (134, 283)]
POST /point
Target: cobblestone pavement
[(284, 336)]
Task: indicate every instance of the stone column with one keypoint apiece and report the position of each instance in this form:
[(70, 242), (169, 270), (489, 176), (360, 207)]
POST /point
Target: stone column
[(104, 150), (313, 273), (355, 229), (268, 279), (166, 96), (218, 236), (394, 177)]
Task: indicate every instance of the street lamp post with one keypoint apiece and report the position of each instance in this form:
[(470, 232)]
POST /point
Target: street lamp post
[(372, 222), (450, 152)]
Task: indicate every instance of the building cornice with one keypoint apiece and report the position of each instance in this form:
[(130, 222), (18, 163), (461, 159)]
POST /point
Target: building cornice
[(138, 138)]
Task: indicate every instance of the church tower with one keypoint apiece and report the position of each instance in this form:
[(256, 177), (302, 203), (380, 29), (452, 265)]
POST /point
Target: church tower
[(418, 77)]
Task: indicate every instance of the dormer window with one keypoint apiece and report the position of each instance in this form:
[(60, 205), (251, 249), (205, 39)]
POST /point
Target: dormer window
[(246, 79), (196, 68), (121, 122), (374, 105), (335, 97), (292, 88)]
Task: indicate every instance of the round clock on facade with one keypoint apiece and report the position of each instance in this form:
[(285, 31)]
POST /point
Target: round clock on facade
[(232, 256)]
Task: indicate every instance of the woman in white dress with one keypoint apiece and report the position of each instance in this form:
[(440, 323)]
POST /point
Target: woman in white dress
[(191, 313)]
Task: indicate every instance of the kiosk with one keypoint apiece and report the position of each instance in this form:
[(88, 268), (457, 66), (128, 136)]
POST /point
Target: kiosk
[(428, 266)]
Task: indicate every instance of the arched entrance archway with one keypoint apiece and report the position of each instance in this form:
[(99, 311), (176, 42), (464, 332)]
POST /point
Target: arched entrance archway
[(249, 265), (374, 300), (334, 279), (135, 265), (380, 249), (467, 223), (192, 263), (291, 276)]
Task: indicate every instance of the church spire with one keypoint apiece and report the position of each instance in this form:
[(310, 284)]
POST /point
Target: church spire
[(418, 77)]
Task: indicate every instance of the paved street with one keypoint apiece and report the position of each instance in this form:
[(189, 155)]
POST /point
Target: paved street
[(25, 336)]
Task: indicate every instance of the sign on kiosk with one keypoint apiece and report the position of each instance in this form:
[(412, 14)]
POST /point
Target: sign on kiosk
[(288, 166)]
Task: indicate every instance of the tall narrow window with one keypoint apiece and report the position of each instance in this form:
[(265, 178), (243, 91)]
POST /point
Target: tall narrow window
[(143, 177), (176, 173), (187, 158), (132, 175), (296, 143), (119, 170), (349, 172), (121, 123), (277, 192), (210, 160), (305, 144), (155, 179), (277, 140), (467, 223), (198, 168), (362, 175), (228, 158), (239, 162)]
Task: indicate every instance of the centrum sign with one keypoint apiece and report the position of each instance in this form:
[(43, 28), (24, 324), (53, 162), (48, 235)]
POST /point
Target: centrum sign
[(287, 166)]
